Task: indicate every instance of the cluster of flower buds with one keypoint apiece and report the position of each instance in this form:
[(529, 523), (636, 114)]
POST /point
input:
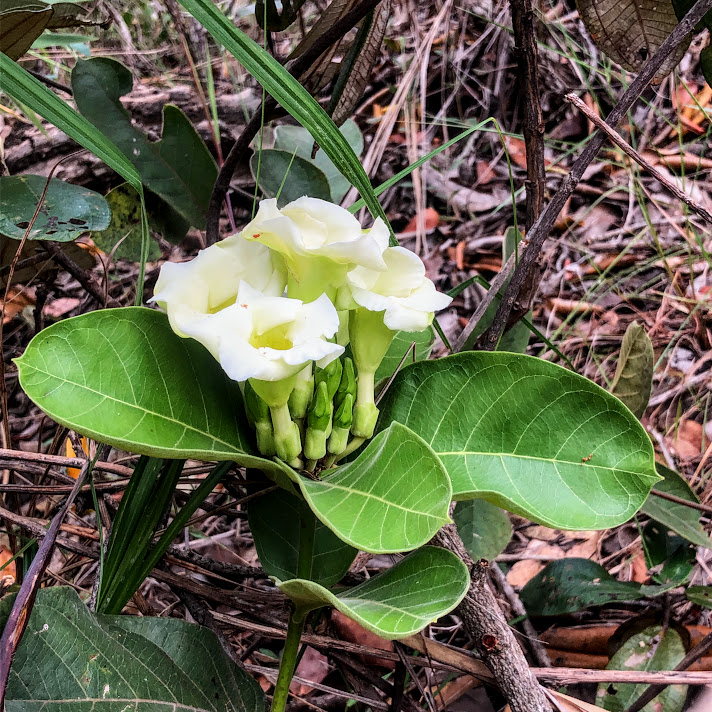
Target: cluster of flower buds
[(279, 303)]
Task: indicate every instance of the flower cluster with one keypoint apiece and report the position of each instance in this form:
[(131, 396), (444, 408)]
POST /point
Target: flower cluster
[(278, 304)]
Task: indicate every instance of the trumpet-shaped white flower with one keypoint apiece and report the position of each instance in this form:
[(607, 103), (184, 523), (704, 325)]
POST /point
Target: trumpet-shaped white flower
[(209, 283), (320, 242), (260, 337), (402, 292)]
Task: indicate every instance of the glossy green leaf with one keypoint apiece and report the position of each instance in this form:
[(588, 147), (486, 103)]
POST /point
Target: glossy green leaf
[(393, 497), (401, 601), (683, 520), (67, 210), (669, 557), (570, 585), (401, 345), (528, 436), (700, 595), (121, 376), (484, 528), (275, 520), (633, 379), (289, 93), (178, 168), (651, 650), (289, 176), (72, 660)]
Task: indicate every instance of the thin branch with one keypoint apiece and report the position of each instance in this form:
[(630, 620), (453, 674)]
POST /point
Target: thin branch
[(22, 607), (541, 229), (632, 153)]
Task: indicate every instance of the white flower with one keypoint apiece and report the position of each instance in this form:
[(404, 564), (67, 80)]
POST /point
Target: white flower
[(261, 337), (403, 292), (320, 242), (210, 282)]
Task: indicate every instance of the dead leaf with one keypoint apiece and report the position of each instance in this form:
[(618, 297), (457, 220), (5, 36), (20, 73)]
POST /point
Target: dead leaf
[(431, 220), (17, 299), (631, 31), (686, 439), (352, 631), (517, 151), (59, 307), (69, 451), (523, 571), (313, 667)]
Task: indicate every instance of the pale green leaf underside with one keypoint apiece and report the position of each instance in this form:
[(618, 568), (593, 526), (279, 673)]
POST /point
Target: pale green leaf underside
[(418, 590), (123, 377), (393, 497), (528, 436), (73, 660)]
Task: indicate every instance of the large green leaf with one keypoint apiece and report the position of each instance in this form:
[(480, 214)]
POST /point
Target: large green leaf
[(528, 436), (123, 377), (683, 520), (571, 585), (289, 93), (401, 601), (67, 210), (654, 649), (178, 168), (393, 497), (276, 520), (484, 528), (72, 660)]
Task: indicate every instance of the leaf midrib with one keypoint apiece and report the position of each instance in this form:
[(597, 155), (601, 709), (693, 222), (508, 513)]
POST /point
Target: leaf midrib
[(541, 459), (217, 440), (110, 700)]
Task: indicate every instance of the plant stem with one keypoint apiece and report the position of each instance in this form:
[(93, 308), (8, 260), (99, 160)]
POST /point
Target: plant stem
[(297, 618), (289, 660)]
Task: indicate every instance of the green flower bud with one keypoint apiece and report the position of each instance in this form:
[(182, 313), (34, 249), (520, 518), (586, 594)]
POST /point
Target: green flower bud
[(331, 375), (300, 397), (339, 438), (347, 385), (319, 413), (257, 410)]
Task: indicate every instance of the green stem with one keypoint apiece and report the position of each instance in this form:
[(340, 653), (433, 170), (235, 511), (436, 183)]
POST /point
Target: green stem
[(297, 619), (289, 660)]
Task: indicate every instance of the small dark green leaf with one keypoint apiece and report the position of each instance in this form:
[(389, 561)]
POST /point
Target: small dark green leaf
[(289, 176), (275, 519), (653, 649), (683, 520), (123, 377), (571, 585), (633, 379), (178, 168), (70, 659), (400, 601), (393, 497), (669, 558), (67, 210), (277, 21), (484, 528)]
